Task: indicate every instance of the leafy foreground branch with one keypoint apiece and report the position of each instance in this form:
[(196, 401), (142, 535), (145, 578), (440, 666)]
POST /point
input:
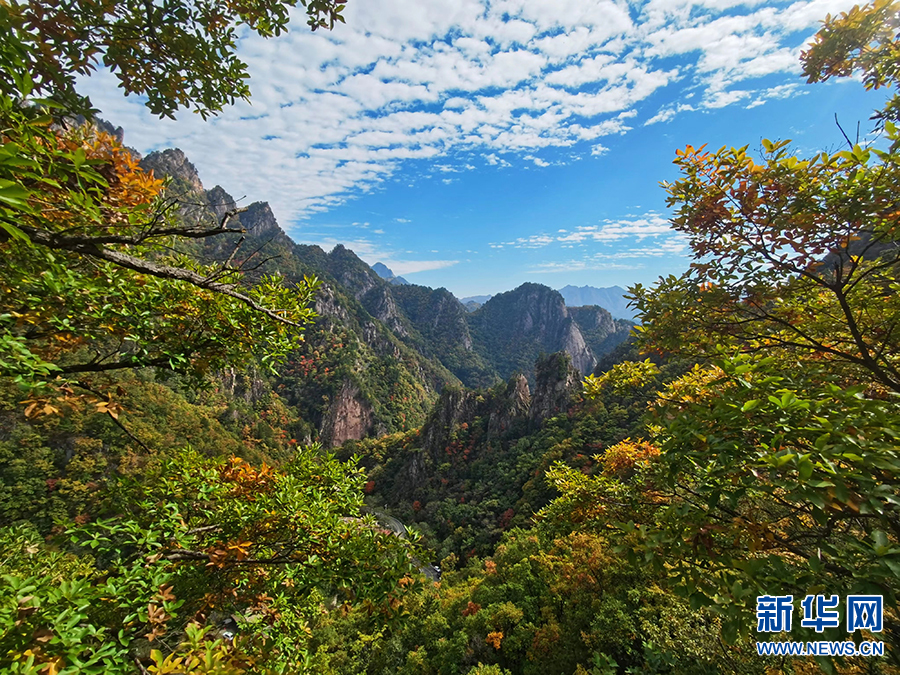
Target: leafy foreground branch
[(208, 567)]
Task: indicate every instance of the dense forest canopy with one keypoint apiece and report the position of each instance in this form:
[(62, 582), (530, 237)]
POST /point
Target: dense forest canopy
[(164, 507)]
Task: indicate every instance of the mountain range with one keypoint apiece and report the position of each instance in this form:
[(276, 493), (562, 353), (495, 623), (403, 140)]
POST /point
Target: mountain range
[(611, 298), (382, 348)]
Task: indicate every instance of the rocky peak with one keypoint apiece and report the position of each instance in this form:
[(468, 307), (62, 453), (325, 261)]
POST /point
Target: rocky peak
[(351, 271), (109, 128), (366, 286), (387, 274), (557, 382), (511, 408), (173, 162), (600, 330), (518, 325), (259, 220), (592, 317), (541, 309), (220, 202)]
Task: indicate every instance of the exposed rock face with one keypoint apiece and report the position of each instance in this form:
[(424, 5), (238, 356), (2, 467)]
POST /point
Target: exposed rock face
[(593, 317), (372, 291), (455, 407), (557, 383), (220, 202), (349, 418), (259, 220), (326, 304), (574, 345), (173, 162), (511, 409), (513, 328), (600, 330), (380, 303), (248, 386)]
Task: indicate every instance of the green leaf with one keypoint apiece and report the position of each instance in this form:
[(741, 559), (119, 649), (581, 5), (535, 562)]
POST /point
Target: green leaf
[(14, 194), (805, 469), (14, 232)]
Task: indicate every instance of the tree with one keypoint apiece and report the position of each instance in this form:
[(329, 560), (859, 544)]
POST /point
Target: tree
[(758, 480), (861, 40), (798, 256), (90, 280), (197, 548), (772, 466), (178, 54)]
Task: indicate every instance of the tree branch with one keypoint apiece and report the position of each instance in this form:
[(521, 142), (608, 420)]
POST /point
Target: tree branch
[(92, 248)]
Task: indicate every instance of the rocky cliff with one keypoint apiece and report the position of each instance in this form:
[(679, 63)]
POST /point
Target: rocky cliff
[(350, 417), (173, 162), (600, 330), (464, 423), (557, 384), (512, 329)]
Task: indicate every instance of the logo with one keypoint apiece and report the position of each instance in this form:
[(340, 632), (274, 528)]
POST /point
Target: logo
[(774, 614), (827, 616), (864, 612)]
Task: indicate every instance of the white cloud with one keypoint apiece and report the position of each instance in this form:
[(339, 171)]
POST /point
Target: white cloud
[(406, 80), (580, 266), (637, 229), (537, 161), (669, 112), (401, 267), (650, 225)]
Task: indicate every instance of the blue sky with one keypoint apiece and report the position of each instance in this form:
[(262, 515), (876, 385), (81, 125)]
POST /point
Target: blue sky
[(477, 145)]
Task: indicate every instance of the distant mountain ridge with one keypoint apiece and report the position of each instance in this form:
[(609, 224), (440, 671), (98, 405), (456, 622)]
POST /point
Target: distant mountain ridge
[(473, 302), (610, 298), (387, 273)]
